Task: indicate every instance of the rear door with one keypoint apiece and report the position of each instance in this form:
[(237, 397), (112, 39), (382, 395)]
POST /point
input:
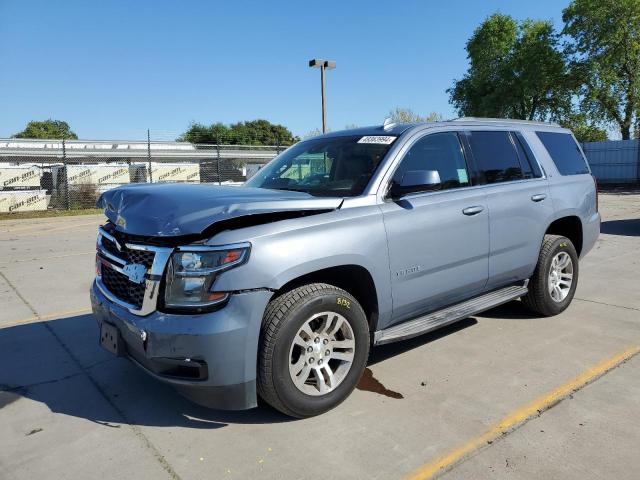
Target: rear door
[(518, 199), (438, 240)]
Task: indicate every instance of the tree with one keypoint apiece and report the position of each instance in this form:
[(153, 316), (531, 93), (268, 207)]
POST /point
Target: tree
[(583, 130), (605, 47), (517, 70), (255, 132), (406, 115), (313, 133), (47, 129)]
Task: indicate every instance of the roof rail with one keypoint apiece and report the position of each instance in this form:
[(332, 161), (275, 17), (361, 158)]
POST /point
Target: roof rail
[(503, 120)]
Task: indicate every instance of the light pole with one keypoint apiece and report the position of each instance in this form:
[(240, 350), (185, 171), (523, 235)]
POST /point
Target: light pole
[(322, 65)]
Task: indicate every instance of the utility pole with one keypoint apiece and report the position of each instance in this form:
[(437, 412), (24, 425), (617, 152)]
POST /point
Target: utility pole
[(323, 65)]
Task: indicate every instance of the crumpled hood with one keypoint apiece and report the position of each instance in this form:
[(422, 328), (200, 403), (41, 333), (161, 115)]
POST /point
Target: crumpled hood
[(173, 209)]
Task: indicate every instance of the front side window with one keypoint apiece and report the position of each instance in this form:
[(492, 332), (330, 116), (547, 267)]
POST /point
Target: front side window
[(564, 152), (496, 156), (332, 166), (441, 152)]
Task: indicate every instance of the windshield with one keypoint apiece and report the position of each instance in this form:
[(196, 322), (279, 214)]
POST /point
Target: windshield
[(334, 166)]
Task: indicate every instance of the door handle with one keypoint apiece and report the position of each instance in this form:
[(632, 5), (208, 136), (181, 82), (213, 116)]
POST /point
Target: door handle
[(538, 197), (473, 210)]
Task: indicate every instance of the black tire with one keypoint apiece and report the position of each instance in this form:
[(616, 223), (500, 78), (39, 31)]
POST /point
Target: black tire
[(539, 299), (283, 317)]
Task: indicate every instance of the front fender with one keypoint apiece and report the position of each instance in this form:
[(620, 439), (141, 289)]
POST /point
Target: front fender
[(289, 249)]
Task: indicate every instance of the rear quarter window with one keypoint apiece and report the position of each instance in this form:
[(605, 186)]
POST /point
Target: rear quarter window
[(564, 152)]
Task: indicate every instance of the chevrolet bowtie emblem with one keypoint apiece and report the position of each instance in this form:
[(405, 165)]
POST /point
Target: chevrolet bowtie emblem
[(135, 272)]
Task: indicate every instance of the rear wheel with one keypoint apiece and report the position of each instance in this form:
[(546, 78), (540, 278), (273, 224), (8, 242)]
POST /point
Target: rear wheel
[(555, 278), (314, 347)]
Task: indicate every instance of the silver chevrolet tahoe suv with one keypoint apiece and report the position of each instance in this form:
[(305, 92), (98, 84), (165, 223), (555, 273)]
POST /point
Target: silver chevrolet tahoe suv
[(353, 239)]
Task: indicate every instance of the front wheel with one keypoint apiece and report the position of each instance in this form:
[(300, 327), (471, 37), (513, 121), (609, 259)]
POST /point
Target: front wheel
[(314, 348), (555, 278)]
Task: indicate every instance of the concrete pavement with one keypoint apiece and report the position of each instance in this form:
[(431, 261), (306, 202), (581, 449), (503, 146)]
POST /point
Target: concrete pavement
[(70, 410)]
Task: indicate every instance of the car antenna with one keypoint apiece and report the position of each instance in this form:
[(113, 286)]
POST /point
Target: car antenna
[(388, 124)]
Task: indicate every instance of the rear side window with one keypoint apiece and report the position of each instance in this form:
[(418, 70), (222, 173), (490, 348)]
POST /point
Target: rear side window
[(527, 160), (495, 156), (564, 152)]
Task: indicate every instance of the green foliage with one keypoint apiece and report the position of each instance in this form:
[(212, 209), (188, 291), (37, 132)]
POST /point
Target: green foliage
[(47, 129), (583, 130), (255, 132), (605, 51), (516, 71), (406, 115), (313, 133)]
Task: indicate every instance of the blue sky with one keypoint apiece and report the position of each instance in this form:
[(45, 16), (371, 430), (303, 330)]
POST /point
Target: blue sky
[(112, 69)]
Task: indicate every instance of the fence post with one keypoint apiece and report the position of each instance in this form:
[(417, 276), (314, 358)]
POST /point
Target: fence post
[(66, 175), (218, 159), (277, 144), (149, 155)]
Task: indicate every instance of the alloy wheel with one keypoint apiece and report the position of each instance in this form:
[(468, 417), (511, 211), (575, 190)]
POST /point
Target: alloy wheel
[(321, 353), (560, 276)]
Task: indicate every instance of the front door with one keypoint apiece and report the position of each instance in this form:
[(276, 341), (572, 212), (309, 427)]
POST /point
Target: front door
[(438, 240)]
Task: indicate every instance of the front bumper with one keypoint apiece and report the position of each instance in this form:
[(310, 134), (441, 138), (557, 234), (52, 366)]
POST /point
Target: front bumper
[(210, 358)]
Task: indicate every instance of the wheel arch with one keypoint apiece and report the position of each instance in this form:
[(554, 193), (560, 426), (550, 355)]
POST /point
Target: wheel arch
[(569, 226), (353, 278)]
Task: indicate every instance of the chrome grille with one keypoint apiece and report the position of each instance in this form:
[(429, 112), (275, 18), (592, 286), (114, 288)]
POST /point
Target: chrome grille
[(142, 257), (109, 246), (119, 285), (116, 279), (128, 255)]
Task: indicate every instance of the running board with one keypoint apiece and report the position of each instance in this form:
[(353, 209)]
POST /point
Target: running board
[(440, 318)]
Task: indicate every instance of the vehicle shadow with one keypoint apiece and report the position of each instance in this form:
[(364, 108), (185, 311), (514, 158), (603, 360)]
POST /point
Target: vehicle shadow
[(58, 363), (628, 228), (513, 310), (383, 352)]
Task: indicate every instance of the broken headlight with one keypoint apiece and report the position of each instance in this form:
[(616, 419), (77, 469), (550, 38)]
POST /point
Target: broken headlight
[(192, 272)]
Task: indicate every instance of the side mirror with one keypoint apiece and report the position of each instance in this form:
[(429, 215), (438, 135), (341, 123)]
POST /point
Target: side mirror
[(415, 181)]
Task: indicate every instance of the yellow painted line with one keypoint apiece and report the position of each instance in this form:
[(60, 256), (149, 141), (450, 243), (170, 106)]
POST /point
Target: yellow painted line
[(521, 415), (42, 318), (52, 257)]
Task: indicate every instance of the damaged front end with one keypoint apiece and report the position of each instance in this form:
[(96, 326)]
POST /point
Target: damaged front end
[(180, 210), (153, 254), (156, 294)]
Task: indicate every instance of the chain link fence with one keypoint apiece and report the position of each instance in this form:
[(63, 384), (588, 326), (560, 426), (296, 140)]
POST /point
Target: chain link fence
[(71, 174), (64, 174)]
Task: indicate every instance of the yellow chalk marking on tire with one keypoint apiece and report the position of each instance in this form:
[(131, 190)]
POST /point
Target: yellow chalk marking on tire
[(521, 416)]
